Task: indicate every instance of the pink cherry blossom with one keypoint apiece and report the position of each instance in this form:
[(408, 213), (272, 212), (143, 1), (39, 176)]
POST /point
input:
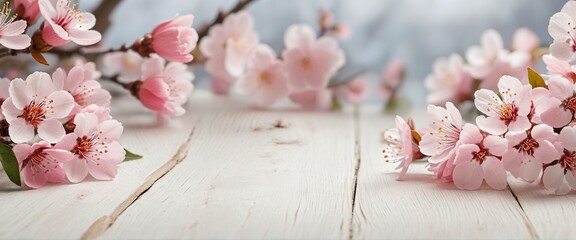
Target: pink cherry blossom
[(560, 175), (562, 29), (4, 93), (229, 45), (529, 150), (64, 23), (400, 146), (559, 108), (12, 33), (558, 67), (449, 82), (175, 39), (40, 163), (124, 64), (264, 79), (36, 105), (78, 83), (525, 40), (221, 86), (165, 90), (342, 31), (506, 113), (309, 62), (442, 138), (95, 147), (478, 158), (28, 10), (313, 99), (392, 77), (490, 61), (353, 92)]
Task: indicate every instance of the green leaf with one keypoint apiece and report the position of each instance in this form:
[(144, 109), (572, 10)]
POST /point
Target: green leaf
[(336, 105), (131, 156), (10, 164), (536, 79)]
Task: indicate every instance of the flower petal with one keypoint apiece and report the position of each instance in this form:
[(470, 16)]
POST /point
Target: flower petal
[(553, 177), (76, 170), (494, 173), (468, 175), (20, 131), (51, 130), (492, 125)]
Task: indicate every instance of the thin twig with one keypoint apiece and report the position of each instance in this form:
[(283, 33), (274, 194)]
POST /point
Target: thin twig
[(102, 13), (346, 80), (5, 52)]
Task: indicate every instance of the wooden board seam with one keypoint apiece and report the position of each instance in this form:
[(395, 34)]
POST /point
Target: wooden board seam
[(357, 157), (529, 225), (105, 222)]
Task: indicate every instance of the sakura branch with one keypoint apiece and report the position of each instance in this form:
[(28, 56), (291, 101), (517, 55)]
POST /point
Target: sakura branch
[(525, 128)]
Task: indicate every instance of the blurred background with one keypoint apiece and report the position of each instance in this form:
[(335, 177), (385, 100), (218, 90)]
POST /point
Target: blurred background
[(417, 31)]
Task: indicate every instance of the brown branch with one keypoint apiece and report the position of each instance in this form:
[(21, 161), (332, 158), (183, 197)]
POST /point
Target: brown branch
[(346, 80), (102, 13), (5, 52), (221, 16)]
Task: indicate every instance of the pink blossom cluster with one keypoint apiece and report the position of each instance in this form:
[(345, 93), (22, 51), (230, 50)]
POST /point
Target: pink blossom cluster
[(455, 78), (302, 72), (59, 126), (525, 128)]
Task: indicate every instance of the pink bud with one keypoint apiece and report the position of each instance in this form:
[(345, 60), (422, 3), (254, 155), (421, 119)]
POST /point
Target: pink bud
[(175, 39)]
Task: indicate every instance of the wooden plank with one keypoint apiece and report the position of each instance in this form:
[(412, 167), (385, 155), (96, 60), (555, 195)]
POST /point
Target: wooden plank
[(420, 207), (551, 215), (67, 211), (253, 174)]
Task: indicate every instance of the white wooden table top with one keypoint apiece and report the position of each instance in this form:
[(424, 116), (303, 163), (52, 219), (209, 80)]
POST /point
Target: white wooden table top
[(228, 171)]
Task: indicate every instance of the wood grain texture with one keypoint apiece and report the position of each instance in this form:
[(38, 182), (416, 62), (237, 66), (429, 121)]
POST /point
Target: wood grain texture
[(253, 174), (67, 211), (420, 207), (551, 216)]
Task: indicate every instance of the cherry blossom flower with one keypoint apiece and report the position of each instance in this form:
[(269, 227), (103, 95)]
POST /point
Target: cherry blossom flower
[(78, 83), (353, 92), (529, 150), (165, 90), (560, 175), (313, 99), (175, 39), (478, 158), (506, 113), (525, 40), (64, 23), (562, 28), (95, 147), (35, 104), (124, 64), (392, 77), (491, 61), (309, 62), (559, 108), (40, 163), (558, 67), (221, 85), (12, 33), (229, 45), (400, 146), (342, 31), (28, 10), (102, 113), (449, 82), (4, 93), (264, 79), (442, 138)]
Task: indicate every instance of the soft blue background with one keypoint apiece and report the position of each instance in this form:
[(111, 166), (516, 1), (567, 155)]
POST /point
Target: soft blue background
[(417, 31)]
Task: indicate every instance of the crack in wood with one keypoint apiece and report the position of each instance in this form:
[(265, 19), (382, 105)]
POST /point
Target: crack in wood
[(105, 222), (356, 168), (527, 222)]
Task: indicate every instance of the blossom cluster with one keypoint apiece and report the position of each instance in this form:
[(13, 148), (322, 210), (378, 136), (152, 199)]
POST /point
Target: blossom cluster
[(302, 72), (60, 126), (455, 78), (525, 128)]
